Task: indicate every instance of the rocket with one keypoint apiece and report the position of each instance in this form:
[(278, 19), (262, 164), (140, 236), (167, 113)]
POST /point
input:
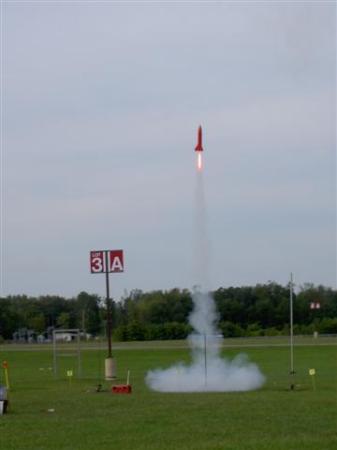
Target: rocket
[(198, 147)]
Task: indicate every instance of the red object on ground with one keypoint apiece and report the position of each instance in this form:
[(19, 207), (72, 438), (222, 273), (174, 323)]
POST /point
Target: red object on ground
[(121, 389)]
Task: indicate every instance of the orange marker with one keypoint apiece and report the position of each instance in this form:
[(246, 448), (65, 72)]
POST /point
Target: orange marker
[(5, 367)]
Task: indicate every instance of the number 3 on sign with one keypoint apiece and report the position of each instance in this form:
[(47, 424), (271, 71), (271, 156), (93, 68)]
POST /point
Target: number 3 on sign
[(97, 262)]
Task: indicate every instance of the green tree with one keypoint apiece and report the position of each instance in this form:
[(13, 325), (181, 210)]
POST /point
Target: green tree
[(88, 312), (63, 320), (37, 323)]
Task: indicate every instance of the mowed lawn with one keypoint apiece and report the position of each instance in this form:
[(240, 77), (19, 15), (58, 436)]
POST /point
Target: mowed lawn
[(273, 417)]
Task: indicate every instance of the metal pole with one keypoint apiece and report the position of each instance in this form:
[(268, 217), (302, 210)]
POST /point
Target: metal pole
[(79, 353), (291, 327), (205, 357), (108, 305), (54, 354), (83, 320)]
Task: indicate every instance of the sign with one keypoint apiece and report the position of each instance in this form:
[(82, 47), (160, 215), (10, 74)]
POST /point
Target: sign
[(116, 261), (97, 262), (312, 372), (69, 373), (315, 305), (106, 261)]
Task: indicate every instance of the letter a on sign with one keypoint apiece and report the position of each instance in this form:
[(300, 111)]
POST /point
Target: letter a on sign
[(116, 261)]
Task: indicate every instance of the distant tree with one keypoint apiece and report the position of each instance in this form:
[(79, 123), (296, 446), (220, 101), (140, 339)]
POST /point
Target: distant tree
[(37, 323), (254, 310), (9, 318), (52, 306), (88, 312), (63, 320)]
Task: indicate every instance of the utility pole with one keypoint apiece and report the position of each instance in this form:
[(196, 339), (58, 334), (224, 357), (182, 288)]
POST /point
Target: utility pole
[(292, 371)]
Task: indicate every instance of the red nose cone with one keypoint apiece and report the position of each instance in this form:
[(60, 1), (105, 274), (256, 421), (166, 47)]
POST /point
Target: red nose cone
[(198, 147)]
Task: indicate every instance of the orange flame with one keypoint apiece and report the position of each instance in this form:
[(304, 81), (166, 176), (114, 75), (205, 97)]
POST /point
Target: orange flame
[(199, 161)]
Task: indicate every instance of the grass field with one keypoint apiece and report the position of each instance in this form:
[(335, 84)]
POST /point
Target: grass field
[(273, 417)]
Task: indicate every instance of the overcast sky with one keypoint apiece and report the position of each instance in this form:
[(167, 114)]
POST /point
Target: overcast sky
[(101, 104)]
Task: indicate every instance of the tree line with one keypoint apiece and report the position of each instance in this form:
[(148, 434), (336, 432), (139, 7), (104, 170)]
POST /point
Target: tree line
[(242, 311)]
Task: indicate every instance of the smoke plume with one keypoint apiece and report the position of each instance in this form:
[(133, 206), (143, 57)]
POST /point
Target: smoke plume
[(208, 371)]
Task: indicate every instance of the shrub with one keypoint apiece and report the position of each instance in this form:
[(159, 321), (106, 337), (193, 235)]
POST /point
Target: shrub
[(272, 331), (328, 326), (230, 329), (254, 329)]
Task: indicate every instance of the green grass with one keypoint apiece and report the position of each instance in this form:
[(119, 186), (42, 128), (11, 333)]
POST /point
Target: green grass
[(273, 417)]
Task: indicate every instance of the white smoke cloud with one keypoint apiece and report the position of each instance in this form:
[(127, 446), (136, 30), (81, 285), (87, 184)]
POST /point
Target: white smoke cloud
[(208, 371)]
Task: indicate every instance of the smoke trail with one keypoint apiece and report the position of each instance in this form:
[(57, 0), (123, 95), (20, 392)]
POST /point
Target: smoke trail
[(207, 371), (201, 244)]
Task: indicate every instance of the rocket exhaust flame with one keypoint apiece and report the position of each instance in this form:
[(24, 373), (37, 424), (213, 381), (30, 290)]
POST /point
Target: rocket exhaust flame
[(199, 161)]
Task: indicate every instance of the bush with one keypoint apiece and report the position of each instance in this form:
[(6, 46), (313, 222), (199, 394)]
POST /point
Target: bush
[(135, 332), (328, 326), (120, 333), (151, 332), (230, 329), (254, 330), (272, 331), (304, 329)]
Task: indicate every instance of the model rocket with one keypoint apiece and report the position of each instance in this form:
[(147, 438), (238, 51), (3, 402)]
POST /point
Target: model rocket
[(199, 149)]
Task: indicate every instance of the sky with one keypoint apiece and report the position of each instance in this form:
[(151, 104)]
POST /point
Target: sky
[(100, 106)]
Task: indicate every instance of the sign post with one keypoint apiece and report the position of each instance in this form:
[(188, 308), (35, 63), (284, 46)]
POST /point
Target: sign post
[(292, 371), (108, 261)]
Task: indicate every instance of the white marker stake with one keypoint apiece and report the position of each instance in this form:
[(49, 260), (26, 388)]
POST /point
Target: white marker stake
[(312, 373), (70, 375)]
